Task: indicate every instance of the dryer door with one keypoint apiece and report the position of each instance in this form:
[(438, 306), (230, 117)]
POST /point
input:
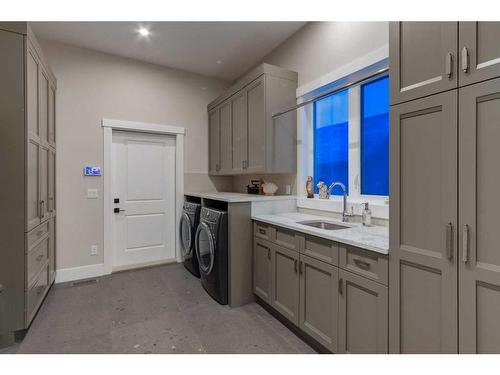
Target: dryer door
[(186, 233), (205, 248)]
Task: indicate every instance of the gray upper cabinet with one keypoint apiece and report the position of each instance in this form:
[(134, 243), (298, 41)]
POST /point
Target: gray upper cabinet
[(240, 131), (363, 323), (422, 58), (285, 282), (423, 225), (479, 49), (43, 102), (262, 268), (256, 126), (319, 286), (32, 82), (226, 139), (214, 141), (249, 140), (479, 263), (52, 116)]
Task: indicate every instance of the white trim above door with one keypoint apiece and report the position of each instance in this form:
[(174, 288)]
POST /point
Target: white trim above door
[(110, 125)]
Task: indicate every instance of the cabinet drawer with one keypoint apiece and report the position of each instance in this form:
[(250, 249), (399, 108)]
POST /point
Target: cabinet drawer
[(320, 248), (36, 234), (37, 258), (37, 292), (286, 238), (264, 231), (366, 263)]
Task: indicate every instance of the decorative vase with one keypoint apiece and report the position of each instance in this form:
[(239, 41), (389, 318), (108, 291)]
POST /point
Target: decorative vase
[(309, 187)]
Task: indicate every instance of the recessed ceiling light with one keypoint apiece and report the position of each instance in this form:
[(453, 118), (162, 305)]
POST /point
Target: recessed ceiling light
[(219, 62), (143, 31)]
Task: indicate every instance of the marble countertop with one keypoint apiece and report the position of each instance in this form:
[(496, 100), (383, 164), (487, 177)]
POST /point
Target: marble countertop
[(240, 197), (374, 238)]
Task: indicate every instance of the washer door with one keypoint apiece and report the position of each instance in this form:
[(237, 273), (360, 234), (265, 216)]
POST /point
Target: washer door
[(205, 248), (186, 233)]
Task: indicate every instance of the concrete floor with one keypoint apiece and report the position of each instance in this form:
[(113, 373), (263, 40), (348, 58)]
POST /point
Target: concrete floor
[(156, 310)]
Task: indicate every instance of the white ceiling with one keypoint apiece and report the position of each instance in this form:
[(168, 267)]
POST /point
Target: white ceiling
[(191, 46)]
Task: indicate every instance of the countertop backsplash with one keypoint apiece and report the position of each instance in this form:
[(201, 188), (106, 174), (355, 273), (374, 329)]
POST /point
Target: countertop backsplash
[(282, 180)]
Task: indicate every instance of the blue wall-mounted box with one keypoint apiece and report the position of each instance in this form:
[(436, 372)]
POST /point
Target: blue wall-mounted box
[(89, 170)]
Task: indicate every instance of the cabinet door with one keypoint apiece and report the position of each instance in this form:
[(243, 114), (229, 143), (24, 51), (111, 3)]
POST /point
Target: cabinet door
[(52, 183), (256, 121), (214, 141), (479, 269), (32, 92), (422, 58), (226, 139), (319, 301), (33, 185), (44, 107), (44, 183), (52, 116), (285, 282), (363, 315), (479, 49), (423, 226), (52, 250), (262, 269), (240, 136)]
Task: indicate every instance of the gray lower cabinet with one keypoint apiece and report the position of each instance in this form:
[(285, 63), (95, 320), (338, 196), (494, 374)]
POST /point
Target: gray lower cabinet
[(479, 50), (285, 282), (422, 58), (363, 315), (423, 223), (319, 288), (262, 269), (479, 184)]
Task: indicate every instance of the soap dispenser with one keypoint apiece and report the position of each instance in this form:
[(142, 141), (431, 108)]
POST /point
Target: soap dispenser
[(367, 215)]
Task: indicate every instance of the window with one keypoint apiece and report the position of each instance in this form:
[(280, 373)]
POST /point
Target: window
[(331, 141), (351, 145), (375, 137)]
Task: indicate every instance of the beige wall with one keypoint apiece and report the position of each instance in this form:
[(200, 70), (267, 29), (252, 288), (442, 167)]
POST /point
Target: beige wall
[(321, 47), (92, 86)]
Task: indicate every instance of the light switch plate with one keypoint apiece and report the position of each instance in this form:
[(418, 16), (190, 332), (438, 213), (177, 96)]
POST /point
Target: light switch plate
[(93, 250), (92, 193)]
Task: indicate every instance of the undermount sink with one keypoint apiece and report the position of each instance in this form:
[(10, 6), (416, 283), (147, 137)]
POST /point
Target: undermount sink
[(323, 225)]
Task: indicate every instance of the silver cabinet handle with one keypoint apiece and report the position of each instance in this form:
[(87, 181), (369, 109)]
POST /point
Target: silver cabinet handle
[(465, 60), (465, 244), (449, 241), (1, 288), (42, 209), (295, 265), (448, 71), (51, 204), (262, 231), (269, 253), (362, 264), (301, 267), (341, 286)]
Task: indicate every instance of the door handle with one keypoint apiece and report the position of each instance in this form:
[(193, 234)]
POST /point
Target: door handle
[(116, 210), (465, 244), (448, 71), (341, 286), (295, 265), (449, 241), (465, 60)]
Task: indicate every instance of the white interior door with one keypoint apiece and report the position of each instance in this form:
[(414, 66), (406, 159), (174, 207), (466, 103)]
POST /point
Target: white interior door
[(143, 179)]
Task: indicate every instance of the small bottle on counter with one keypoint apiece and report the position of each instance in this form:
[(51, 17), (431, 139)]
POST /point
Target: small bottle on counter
[(366, 215)]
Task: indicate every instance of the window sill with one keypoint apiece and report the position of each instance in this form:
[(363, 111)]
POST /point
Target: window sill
[(377, 205)]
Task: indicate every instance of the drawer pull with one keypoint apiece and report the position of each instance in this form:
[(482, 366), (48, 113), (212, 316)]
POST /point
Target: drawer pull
[(39, 258), (301, 268), (269, 253), (341, 286), (295, 266), (262, 231), (362, 264)]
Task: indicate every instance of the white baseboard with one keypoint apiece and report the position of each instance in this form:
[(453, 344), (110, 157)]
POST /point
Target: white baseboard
[(79, 273)]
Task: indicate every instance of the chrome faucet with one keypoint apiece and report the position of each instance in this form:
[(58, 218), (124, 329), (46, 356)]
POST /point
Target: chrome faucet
[(345, 214)]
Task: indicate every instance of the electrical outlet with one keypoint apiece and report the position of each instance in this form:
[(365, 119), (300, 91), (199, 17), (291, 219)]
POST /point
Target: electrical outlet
[(93, 250)]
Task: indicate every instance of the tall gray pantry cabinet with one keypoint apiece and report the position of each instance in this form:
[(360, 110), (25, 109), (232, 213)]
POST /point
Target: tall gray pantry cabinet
[(444, 268), (28, 154)]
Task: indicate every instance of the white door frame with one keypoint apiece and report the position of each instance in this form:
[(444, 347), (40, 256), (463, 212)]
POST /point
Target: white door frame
[(109, 125)]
